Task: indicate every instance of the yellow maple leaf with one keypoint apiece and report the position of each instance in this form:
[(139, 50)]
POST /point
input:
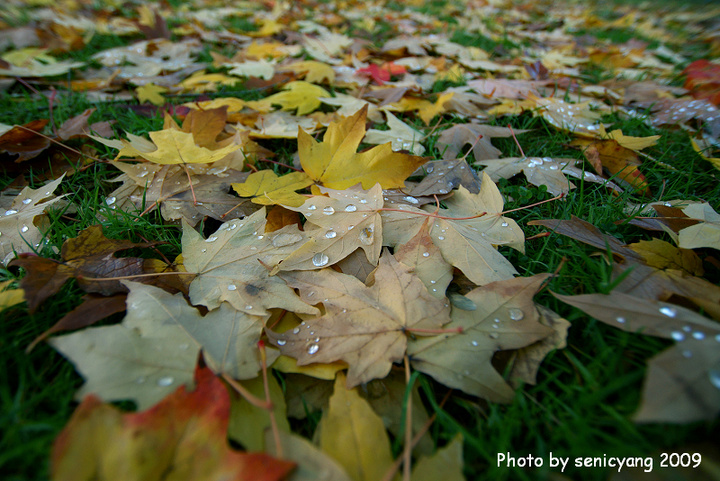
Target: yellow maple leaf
[(300, 95), (267, 188), (151, 93), (202, 82), (172, 146), (315, 72), (267, 49), (335, 163), (427, 113)]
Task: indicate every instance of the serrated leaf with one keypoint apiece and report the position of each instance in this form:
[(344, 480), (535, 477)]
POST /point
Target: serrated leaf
[(172, 147), (267, 188)]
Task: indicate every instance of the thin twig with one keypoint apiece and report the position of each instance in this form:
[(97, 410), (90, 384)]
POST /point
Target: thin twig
[(268, 400)]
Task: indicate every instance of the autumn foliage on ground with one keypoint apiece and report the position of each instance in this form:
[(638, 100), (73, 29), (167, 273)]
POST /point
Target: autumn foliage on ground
[(342, 226)]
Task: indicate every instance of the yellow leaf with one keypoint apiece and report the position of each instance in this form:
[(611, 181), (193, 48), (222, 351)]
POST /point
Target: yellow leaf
[(202, 82), (427, 113), (10, 297), (326, 371), (300, 95), (445, 464), (352, 434), (267, 49), (335, 163), (633, 143), (172, 147), (715, 161), (151, 93), (315, 72), (233, 104), (267, 188), (663, 255)]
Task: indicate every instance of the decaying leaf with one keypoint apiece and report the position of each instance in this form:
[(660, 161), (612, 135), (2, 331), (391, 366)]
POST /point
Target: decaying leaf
[(363, 326), (184, 435)]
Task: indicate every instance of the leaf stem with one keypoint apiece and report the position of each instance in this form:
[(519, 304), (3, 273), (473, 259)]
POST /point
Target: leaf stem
[(122, 278), (533, 205), (268, 400), (407, 450), (247, 395)]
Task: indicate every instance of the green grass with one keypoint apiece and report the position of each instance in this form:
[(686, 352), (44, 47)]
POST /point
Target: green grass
[(585, 395)]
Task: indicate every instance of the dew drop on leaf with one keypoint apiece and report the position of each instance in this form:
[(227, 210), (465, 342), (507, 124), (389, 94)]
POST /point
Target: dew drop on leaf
[(311, 207), (677, 335), (620, 320), (331, 234), (26, 201), (699, 335), (281, 342), (504, 224), (110, 200), (366, 235), (474, 343), (24, 228), (668, 311), (350, 208), (296, 330), (714, 375), (248, 307), (516, 314), (320, 259), (165, 381), (328, 210), (212, 238), (10, 212), (232, 287), (426, 254), (313, 349)]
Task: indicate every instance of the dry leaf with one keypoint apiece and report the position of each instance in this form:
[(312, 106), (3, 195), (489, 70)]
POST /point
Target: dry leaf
[(452, 140), (363, 326)]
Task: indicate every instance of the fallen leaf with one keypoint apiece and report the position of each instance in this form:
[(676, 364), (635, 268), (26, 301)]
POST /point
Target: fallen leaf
[(505, 318), (446, 463), (681, 385), (538, 171), (400, 135), (335, 164), (172, 147), (229, 266), (424, 257), (620, 162), (342, 222), (19, 231), (312, 463), (10, 297), (151, 93), (663, 255), (314, 72), (300, 95), (249, 423), (704, 234), (24, 141), (444, 176), (185, 434), (451, 141), (353, 435), (267, 188), (363, 326), (466, 232)]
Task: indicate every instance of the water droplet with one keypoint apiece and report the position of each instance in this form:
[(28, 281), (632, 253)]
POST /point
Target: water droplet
[(516, 314), (328, 210), (677, 335), (110, 200), (504, 224), (165, 381), (27, 201), (296, 330), (248, 307), (320, 259), (620, 320), (204, 251), (687, 353), (10, 212), (281, 342), (351, 227), (212, 238), (317, 339), (366, 235), (668, 311), (411, 199), (426, 254), (667, 204), (493, 335), (260, 237), (350, 208), (232, 287), (363, 201), (433, 281), (313, 349), (699, 335), (474, 343), (687, 328), (441, 237), (141, 380), (442, 191), (714, 375), (331, 234), (24, 228), (311, 207), (554, 167)]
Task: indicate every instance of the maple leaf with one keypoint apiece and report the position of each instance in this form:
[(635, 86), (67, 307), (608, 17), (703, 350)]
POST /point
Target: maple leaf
[(466, 232), (400, 135), (539, 171), (185, 433), (682, 382), (151, 93), (424, 257), (619, 161), (345, 220), (267, 188), (505, 318), (300, 95), (352, 434), (314, 72), (381, 73), (172, 147), (335, 164), (363, 326), (704, 234), (451, 141), (230, 266), (444, 175), (17, 226), (566, 116), (10, 297)]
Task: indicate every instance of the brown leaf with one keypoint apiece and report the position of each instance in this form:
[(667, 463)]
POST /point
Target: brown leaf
[(452, 140), (682, 382), (363, 326), (23, 141), (93, 309), (76, 126), (446, 175), (205, 126)]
